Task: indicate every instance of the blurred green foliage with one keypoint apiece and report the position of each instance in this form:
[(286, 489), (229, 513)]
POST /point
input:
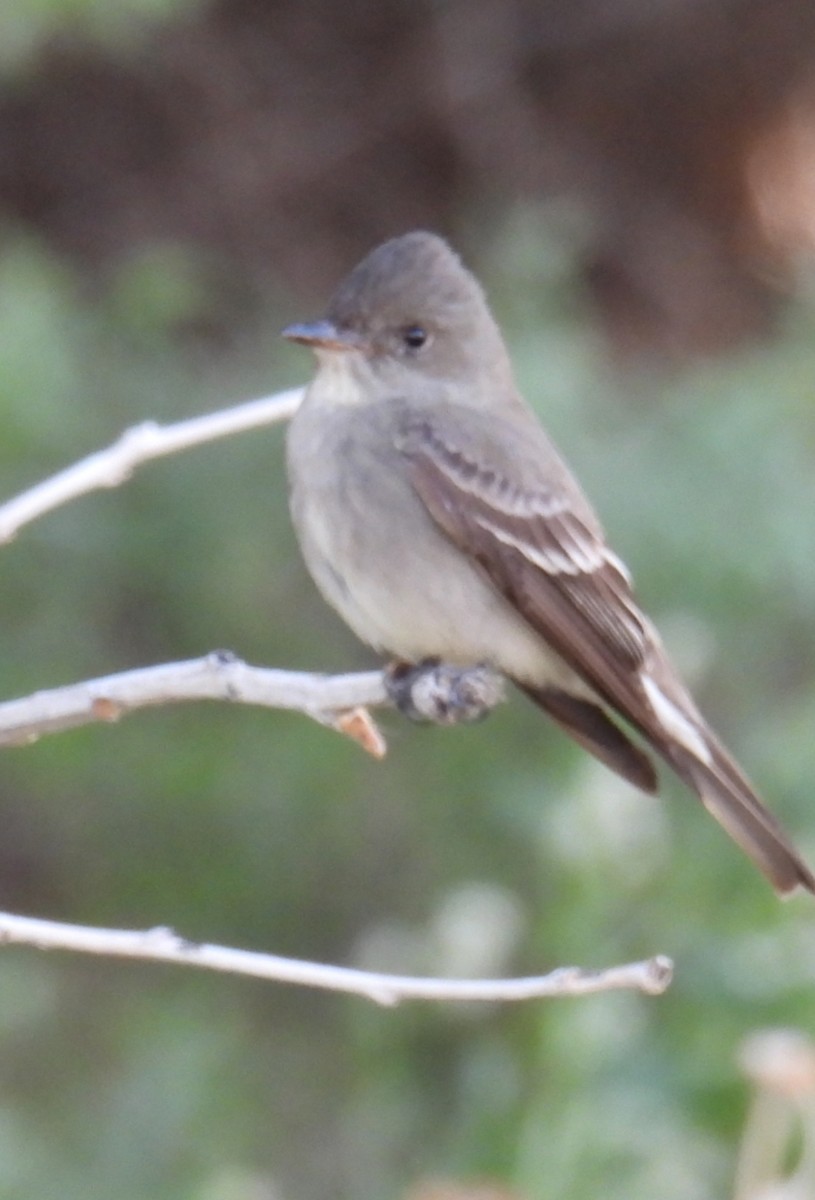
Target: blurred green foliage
[(497, 848), (25, 24)]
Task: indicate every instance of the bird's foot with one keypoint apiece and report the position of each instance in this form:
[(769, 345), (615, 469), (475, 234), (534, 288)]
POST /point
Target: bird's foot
[(439, 693)]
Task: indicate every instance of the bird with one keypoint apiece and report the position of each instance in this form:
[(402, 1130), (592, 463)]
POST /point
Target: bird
[(437, 517)]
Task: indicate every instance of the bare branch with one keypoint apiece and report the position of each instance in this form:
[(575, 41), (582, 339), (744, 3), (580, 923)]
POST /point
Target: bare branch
[(109, 467), (433, 692), (339, 701), (436, 692), (163, 945), (217, 676)]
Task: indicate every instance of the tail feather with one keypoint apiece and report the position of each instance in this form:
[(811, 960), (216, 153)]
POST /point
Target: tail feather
[(680, 734), (729, 797), (591, 726), (673, 727)]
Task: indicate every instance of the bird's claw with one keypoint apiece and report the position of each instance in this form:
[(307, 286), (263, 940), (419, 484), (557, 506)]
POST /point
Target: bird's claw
[(440, 693)]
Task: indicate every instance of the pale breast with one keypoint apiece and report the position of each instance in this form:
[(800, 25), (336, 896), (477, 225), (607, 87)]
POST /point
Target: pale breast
[(381, 561)]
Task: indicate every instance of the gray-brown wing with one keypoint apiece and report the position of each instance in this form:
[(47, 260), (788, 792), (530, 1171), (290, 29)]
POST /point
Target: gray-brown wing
[(538, 548)]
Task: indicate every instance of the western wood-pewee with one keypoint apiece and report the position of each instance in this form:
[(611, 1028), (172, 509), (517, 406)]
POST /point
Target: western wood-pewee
[(439, 520)]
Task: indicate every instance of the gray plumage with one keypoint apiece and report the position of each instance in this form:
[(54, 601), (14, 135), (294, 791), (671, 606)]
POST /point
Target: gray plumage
[(439, 520)]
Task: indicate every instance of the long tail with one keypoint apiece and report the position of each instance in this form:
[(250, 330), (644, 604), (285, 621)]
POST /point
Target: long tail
[(672, 725), (729, 797), (684, 739)]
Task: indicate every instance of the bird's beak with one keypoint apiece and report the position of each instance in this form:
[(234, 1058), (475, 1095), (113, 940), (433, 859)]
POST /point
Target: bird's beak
[(324, 335)]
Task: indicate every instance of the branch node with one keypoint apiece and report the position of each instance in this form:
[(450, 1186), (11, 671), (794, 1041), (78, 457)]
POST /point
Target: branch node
[(359, 725), (658, 976), (222, 658), (164, 935), (105, 709), (384, 997)]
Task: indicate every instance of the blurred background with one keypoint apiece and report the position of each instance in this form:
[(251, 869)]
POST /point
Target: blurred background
[(635, 183)]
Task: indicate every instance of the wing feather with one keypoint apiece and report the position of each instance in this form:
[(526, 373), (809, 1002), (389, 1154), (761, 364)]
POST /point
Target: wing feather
[(544, 556), (535, 537)]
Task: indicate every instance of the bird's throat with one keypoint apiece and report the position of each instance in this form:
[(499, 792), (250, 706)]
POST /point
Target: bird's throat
[(339, 379)]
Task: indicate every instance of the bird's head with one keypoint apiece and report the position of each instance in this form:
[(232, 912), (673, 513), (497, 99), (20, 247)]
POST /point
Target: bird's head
[(411, 314)]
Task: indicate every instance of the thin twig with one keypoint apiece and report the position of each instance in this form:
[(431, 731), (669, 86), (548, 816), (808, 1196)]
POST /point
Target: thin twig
[(217, 676), (435, 692), (109, 467), (340, 701), (163, 945)]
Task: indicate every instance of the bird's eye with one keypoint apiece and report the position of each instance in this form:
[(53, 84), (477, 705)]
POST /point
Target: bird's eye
[(414, 337)]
